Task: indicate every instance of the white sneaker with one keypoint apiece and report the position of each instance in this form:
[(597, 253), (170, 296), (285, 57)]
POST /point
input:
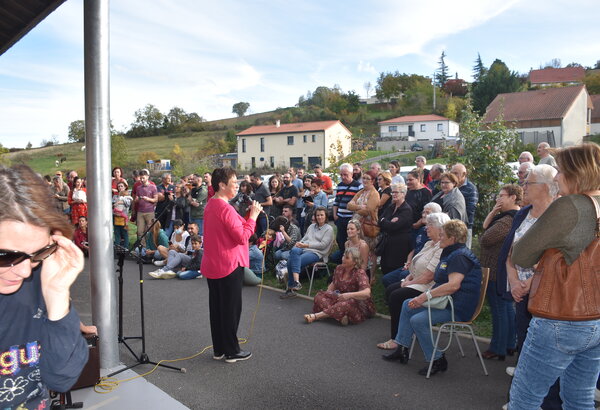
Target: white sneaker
[(156, 274), (168, 274), (160, 263), (505, 407), (510, 371)]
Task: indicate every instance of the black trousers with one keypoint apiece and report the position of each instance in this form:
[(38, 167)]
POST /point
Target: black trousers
[(225, 304), (395, 295)]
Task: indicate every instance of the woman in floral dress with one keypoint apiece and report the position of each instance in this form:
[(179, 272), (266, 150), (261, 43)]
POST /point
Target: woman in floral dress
[(348, 296)]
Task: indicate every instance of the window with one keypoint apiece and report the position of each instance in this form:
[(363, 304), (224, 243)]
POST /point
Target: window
[(440, 127), (290, 140), (262, 144), (243, 144), (272, 162), (393, 128), (422, 127), (314, 138), (304, 138)]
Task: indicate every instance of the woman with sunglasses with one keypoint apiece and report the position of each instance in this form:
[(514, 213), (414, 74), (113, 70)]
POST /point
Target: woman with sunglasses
[(38, 264)]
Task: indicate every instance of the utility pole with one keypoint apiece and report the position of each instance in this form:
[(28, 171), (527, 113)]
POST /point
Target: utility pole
[(433, 82)]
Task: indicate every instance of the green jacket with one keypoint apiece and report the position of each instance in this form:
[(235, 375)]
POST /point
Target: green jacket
[(199, 197)]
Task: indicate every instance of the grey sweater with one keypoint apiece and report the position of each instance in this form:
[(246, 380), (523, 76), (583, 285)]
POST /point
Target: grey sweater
[(568, 225), (319, 240)]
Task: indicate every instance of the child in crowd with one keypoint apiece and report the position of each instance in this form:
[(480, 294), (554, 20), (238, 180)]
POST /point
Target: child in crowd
[(121, 204), (80, 236), (191, 270), (265, 241)]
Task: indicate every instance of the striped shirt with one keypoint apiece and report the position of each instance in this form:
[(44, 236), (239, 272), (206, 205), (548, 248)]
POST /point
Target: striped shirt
[(343, 195)]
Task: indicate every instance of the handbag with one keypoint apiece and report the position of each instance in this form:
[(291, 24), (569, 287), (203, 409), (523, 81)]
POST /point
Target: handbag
[(381, 244), (568, 292), (370, 227), (441, 302)]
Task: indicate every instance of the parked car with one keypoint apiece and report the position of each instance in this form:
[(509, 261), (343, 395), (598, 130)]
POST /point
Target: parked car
[(416, 147)]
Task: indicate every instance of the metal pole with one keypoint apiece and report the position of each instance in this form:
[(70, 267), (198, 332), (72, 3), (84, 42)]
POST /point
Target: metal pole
[(97, 128)]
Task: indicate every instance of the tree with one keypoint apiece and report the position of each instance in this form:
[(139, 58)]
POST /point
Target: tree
[(592, 82), (29, 145), (77, 131), (486, 149), (479, 69), (367, 86), (148, 121), (498, 79), (554, 63), (441, 76), (118, 150), (176, 117), (240, 108)]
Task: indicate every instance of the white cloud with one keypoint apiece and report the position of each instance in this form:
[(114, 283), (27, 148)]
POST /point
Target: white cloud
[(366, 67)]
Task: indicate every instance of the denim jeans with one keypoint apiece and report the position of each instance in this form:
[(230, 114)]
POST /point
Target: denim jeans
[(394, 276), (121, 236), (188, 274), (553, 349), (200, 223), (169, 230), (504, 333), (176, 259), (299, 258), (417, 321), (281, 254)]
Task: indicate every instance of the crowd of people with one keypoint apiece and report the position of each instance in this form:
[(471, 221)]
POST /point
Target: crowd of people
[(416, 230)]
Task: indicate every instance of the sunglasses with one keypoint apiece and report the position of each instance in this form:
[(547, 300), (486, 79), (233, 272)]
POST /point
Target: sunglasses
[(10, 258)]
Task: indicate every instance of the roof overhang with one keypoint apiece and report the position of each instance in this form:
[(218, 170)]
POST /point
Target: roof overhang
[(18, 17)]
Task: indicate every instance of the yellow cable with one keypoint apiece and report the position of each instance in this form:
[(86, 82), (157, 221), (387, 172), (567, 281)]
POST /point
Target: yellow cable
[(108, 384)]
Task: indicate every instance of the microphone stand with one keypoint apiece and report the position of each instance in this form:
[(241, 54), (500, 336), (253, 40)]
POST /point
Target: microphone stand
[(143, 358)]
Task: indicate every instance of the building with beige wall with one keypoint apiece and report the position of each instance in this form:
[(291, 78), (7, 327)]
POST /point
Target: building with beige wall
[(560, 116), (296, 144)]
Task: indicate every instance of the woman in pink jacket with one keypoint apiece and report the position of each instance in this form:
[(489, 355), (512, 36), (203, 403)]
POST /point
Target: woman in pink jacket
[(226, 236)]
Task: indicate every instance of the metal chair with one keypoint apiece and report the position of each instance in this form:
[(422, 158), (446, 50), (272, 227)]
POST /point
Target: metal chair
[(454, 327), (315, 267)]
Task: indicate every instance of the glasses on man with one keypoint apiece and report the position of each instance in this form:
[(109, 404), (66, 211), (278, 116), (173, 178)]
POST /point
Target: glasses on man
[(10, 258)]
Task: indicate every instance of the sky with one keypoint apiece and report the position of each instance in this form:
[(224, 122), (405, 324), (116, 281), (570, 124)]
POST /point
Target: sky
[(206, 56)]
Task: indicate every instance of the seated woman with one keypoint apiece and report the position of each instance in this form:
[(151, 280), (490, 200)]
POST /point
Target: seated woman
[(289, 233), (421, 234), (420, 275), (348, 297), (256, 256), (154, 238), (355, 240), (80, 237), (315, 246), (177, 243), (458, 274), (182, 265)]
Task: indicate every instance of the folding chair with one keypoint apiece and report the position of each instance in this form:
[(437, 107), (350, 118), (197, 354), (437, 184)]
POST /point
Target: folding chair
[(315, 268), (454, 327)]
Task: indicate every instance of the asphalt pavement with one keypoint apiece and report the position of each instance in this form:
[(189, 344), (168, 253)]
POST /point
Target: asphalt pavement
[(294, 364)]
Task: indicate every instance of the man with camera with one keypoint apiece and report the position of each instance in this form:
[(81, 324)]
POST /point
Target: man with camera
[(166, 196), (198, 198)]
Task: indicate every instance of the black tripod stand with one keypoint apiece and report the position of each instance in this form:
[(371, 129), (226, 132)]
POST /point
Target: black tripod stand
[(142, 358)]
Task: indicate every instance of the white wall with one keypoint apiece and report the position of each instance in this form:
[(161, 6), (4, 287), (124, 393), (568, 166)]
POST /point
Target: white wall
[(575, 121), (448, 129)]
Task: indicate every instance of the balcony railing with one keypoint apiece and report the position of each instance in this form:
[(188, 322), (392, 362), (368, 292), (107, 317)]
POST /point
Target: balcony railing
[(397, 134)]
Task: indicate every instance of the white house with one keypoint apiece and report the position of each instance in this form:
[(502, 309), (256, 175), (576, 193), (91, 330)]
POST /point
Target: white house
[(402, 132), (297, 144), (559, 116)]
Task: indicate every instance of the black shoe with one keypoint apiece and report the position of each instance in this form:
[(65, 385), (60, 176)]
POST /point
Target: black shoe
[(241, 355), (511, 352), (288, 294), (400, 354), (439, 365)]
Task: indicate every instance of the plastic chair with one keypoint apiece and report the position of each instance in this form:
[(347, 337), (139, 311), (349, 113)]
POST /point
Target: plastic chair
[(460, 327), (315, 267)]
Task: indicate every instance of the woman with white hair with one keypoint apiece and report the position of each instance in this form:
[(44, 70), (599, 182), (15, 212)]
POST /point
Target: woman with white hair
[(420, 275)]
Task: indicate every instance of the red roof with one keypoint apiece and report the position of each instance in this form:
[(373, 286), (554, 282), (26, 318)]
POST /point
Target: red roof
[(290, 128), (549, 103), (415, 118), (557, 75), (596, 109)]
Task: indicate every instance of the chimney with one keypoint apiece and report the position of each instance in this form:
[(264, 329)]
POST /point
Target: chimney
[(278, 123)]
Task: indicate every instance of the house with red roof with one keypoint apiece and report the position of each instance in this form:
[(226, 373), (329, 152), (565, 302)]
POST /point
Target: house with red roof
[(293, 145), (560, 116), (595, 115), (402, 132), (555, 76)]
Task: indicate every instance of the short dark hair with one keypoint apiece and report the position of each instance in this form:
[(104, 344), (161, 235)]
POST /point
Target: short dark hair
[(253, 239), (177, 222), (223, 175), (288, 206), (195, 238), (255, 175), (317, 181), (417, 174)]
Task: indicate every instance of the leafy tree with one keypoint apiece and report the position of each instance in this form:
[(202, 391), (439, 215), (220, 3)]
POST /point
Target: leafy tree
[(388, 86), (484, 151), (240, 108), (592, 82), (597, 66), (176, 117), (3, 150), (498, 79), (118, 150), (77, 131), (29, 145), (554, 63), (441, 76), (148, 121), (573, 65)]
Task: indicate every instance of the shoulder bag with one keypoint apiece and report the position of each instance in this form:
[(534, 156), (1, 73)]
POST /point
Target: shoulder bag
[(568, 292)]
